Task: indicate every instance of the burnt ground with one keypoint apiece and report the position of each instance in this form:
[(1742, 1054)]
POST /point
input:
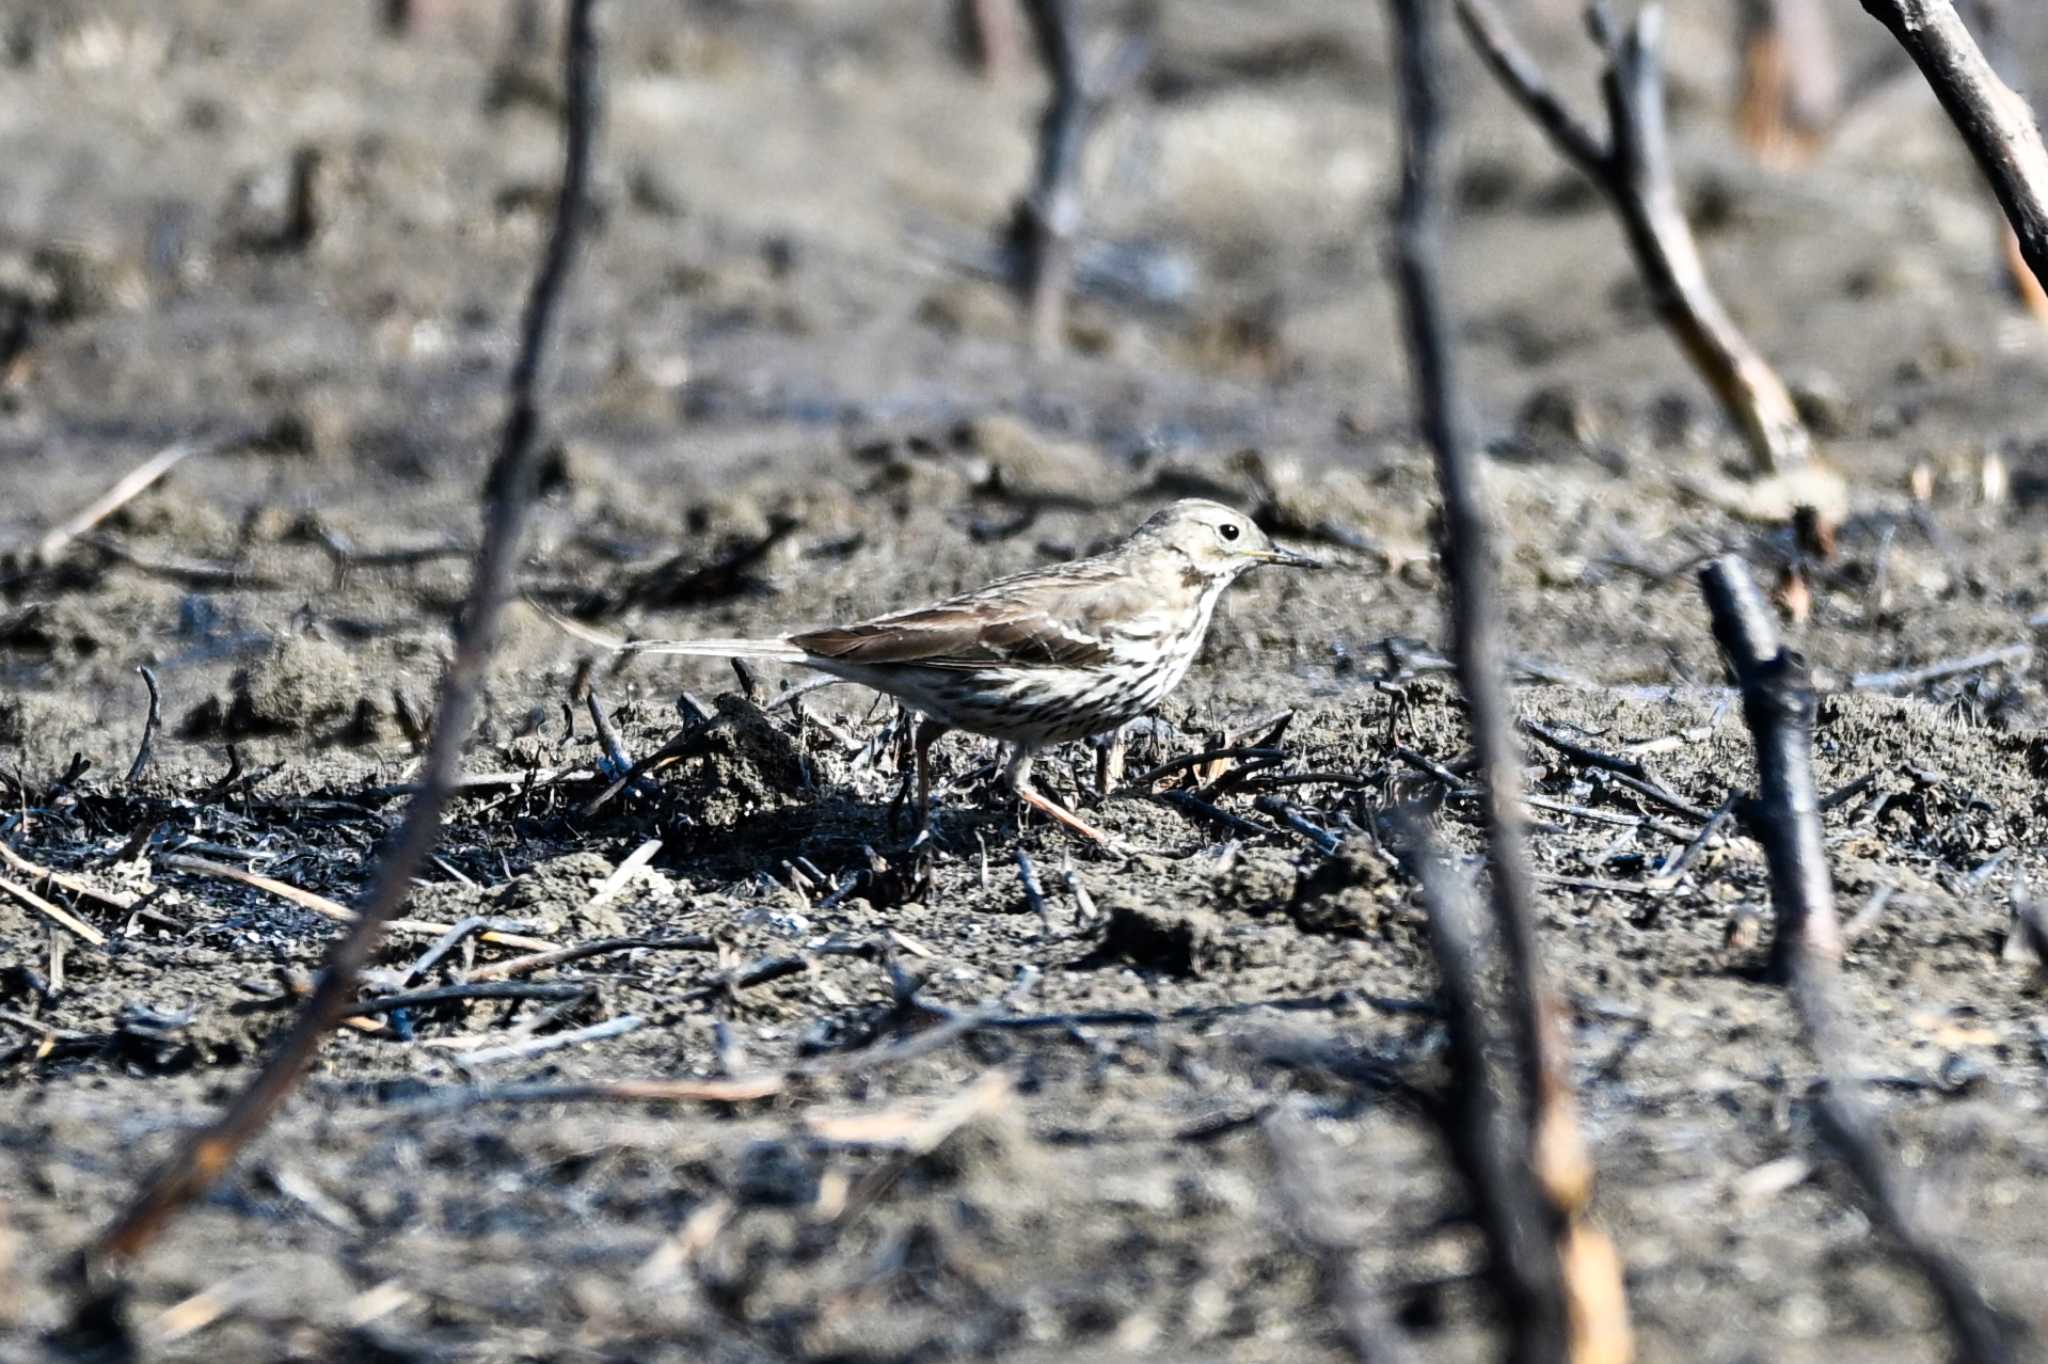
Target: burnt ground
[(787, 396)]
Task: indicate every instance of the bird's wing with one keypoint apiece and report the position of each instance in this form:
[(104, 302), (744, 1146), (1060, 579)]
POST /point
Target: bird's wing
[(1017, 624)]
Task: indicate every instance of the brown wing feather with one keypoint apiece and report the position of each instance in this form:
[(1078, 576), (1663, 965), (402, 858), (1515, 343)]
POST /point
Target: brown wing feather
[(986, 632)]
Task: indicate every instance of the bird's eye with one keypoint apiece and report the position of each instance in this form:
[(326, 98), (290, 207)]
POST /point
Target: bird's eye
[(1227, 530)]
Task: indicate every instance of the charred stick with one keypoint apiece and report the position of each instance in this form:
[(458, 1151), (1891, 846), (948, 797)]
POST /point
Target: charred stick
[(683, 745), (455, 994), (1558, 1275), (539, 961), (1050, 215), (608, 743), (1669, 875), (1034, 893), (1324, 840), (539, 1046), (1172, 766), (448, 942), (1994, 121), (1486, 1139), (508, 496), (1632, 167), (149, 728), (1469, 568), (1778, 703)]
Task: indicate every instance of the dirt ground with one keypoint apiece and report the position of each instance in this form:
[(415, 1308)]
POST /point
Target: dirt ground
[(792, 392)]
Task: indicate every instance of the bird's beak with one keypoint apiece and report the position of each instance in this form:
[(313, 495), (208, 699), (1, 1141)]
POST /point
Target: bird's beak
[(1288, 558)]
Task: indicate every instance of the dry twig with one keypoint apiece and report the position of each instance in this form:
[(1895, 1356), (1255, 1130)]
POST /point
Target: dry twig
[(1566, 1302), (509, 493), (149, 728), (1779, 704), (130, 486), (1995, 122), (1632, 167)]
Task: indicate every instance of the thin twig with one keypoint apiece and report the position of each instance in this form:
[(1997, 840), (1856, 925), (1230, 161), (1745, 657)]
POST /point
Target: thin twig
[(509, 493), (54, 913), (332, 909), (1905, 679), (455, 994), (149, 728), (1490, 1149), (540, 1046), (1559, 1275), (539, 961), (131, 485)]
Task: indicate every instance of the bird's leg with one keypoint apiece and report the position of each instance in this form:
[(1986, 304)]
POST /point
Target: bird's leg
[(929, 732), (1017, 776)]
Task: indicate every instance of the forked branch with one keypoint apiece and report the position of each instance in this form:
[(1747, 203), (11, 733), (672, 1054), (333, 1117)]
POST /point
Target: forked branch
[(508, 495), (1632, 166)]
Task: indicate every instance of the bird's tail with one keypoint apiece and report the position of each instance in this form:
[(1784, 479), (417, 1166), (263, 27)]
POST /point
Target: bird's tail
[(776, 650)]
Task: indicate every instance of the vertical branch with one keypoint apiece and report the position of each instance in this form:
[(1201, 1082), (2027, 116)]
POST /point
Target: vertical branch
[(1995, 122), (1468, 555), (1572, 1306), (1051, 214), (508, 494), (1632, 167), (1486, 1139), (1778, 704)]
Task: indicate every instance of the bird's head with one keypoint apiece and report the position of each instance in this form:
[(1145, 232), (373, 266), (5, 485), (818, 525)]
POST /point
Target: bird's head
[(1216, 542)]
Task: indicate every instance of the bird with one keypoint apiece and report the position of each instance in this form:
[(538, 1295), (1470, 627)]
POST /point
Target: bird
[(1039, 658)]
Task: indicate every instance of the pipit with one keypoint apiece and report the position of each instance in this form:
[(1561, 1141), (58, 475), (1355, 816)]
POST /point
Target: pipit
[(1037, 658)]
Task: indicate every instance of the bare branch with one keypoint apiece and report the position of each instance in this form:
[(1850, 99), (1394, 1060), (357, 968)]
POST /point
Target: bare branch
[(509, 493), (1486, 1141), (1557, 1274), (1778, 703), (1995, 122), (1632, 167)]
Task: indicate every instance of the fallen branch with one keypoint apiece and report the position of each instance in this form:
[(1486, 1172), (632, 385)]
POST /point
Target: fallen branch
[(1995, 123), (1905, 679), (130, 486), (1632, 167), (1558, 1275), (1779, 704), (540, 961), (331, 909), (54, 913), (509, 493)]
